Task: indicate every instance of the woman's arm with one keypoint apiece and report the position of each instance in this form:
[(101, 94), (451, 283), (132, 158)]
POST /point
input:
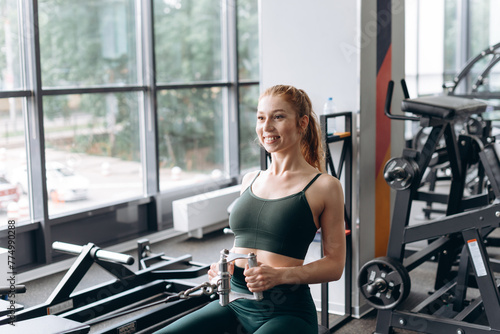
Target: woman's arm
[(331, 265)]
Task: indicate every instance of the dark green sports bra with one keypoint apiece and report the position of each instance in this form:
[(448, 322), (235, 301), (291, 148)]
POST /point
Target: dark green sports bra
[(284, 226)]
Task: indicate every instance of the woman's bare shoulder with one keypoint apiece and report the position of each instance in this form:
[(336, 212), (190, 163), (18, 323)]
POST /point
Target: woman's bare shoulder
[(328, 183), (247, 179)]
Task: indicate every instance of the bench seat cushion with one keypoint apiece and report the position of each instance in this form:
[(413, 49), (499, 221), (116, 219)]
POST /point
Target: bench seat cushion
[(443, 107)]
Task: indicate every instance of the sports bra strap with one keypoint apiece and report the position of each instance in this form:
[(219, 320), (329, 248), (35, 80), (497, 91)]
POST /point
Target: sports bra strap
[(312, 181), (305, 188), (255, 178)]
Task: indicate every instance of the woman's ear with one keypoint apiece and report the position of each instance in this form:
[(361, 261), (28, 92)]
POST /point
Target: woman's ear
[(304, 121)]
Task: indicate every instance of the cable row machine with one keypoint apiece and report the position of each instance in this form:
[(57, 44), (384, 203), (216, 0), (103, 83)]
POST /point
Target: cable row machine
[(134, 302), (466, 298)]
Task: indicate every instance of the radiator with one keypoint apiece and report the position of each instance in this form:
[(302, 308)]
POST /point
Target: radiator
[(205, 212)]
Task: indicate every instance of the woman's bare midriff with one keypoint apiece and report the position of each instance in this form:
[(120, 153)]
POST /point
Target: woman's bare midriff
[(265, 257)]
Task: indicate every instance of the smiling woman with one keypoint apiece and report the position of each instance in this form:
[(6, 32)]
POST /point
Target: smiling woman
[(276, 218)]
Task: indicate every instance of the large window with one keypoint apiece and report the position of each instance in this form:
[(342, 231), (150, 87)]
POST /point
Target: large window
[(188, 39), (191, 135), (441, 36), (109, 107), (248, 70), (92, 141), (92, 150), (14, 203), (88, 43)]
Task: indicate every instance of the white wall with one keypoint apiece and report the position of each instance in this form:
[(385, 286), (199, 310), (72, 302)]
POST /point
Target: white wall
[(312, 45)]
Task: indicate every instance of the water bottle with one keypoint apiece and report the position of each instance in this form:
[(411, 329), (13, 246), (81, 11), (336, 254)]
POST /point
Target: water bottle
[(328, 109)]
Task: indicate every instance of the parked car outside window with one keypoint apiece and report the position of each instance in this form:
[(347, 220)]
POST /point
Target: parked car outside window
[(8, 193)]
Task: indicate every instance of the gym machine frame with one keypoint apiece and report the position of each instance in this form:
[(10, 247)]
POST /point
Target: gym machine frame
[(145, 289), (385, 282), (129, 289)]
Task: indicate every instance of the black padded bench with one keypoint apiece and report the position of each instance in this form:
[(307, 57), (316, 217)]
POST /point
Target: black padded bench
[(443, 107)]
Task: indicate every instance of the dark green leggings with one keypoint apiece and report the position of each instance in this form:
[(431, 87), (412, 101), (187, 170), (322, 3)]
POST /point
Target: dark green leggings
[(286, 309)]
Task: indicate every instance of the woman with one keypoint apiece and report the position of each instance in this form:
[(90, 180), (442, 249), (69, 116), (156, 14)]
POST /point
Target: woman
[(276, 217)]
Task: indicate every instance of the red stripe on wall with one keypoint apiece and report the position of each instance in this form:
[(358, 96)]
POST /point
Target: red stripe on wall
[(382, 154)]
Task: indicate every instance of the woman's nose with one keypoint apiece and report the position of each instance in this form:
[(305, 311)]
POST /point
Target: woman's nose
[(268, 124)]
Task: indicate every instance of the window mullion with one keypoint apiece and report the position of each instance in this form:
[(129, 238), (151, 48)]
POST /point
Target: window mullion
[(231, 25), (35, 143)]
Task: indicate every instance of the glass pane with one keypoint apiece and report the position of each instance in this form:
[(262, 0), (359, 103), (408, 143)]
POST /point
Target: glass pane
[(10, 54), (87, 43), (92, 150), (14, 203), (248, 40), (190, 136), (249, 145), (452, 64), (479, 26), (484, 30), (187, 40)]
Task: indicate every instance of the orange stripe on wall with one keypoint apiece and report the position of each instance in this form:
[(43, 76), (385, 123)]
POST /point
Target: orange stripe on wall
[(382, 211), (382, 154)]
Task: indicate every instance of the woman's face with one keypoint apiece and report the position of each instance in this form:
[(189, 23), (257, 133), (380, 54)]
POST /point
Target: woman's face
[(277, 124)]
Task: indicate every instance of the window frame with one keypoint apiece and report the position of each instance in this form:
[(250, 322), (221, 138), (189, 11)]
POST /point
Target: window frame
[(154, 205)]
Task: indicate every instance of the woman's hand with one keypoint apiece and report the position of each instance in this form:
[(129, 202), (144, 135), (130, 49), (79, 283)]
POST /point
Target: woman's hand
[(214, 270), (262, 277)]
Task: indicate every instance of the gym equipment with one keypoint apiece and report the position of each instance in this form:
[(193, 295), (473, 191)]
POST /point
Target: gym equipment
[(473, 80), (7, 303), (400, 173), (457, 240), (385, 283), (341, 169), (227, 296), (147, 299)]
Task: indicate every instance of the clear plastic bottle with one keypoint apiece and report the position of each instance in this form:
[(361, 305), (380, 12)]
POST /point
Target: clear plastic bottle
[(330, 108)]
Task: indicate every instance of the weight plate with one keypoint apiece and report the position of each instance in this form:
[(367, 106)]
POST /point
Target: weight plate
[(399, 173), (384, 282)]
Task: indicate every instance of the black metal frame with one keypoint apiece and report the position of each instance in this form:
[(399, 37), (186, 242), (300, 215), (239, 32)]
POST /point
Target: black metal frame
[(344, 164), (472, 91), (458, 237), (150, 282)]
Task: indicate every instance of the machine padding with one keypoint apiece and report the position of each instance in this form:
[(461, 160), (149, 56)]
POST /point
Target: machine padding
[(443, 106)]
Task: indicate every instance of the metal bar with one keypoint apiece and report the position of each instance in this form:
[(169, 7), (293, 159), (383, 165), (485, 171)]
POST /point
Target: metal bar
[(149, 122), (73, 276), (156, 318), (424, 323), (14, 93), (201, 84), (232, 114), (90, 90), (35, 143), (484, 276), (435, 296), (483, 217), (462, 281), (417, 258)]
